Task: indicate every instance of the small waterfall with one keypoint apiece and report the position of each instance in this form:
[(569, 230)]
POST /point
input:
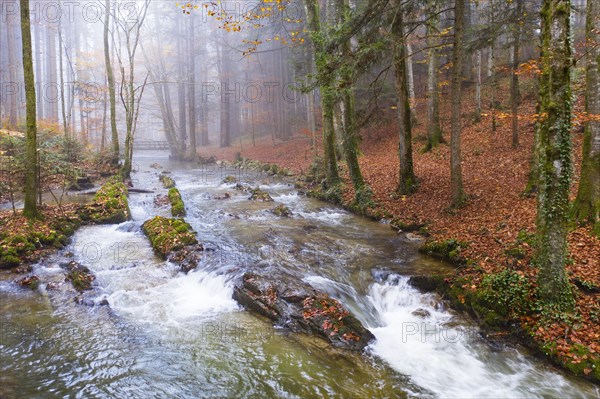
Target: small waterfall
[(418, 338)]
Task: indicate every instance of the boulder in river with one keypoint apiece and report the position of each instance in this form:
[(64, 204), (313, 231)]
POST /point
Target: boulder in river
[(80, 276), (282, 210), (296, 305), (31, 282), (174, 240), (420, 312), (259, 195)]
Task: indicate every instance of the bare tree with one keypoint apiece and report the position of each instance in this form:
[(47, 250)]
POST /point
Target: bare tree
[(129, 32), (111, 86)]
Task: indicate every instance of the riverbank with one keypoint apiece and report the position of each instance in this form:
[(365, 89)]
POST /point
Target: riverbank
[(491, 237), (24, 241)]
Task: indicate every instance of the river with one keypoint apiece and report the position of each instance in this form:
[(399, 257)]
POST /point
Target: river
[(168, 334)]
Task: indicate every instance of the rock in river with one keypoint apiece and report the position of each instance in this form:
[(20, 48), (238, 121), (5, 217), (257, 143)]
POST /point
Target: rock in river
[(296, 305)]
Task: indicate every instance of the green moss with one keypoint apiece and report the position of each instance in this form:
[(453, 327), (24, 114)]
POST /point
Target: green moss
[(8, 261), (229, 179), (177, 206), (258, 195), (31, 282), (166, 181), (449, 250), (282, 210), (167, 235), (81, 279), (110, 204), (332, 195), (401, 225)]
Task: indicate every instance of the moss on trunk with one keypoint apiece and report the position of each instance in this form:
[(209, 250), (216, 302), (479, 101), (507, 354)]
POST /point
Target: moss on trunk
[(554, 153)]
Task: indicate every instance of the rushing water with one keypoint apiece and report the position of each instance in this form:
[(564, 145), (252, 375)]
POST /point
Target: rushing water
[(167, 334)]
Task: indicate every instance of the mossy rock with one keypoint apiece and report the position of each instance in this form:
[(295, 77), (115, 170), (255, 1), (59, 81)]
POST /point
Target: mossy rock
[(257, 194), (167, 235), (81, 280), (448, 250), (110, 204), (166, 181), (282, 211), (229, 179), (22, 242), (401, 225), (177, 205), (80, 276), (31, 282), (9, 261)]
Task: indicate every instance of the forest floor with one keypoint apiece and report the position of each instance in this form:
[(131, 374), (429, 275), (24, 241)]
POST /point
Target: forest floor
[(497, 222)]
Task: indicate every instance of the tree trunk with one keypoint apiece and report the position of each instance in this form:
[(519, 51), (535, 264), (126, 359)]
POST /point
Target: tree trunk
[(554, 158), (38, 67), (467, 70), (478, 86), (350, 141), (411, 84), (12, 70), (310, 100), (407, 180), (104, 113), (181, 92), (514, 82), (434, 130), (51, 86), (458, 195), (30, 209), (494, 76), (327, 95), (191, 85), (587, 204), (62, 83), (111, 88), (225, 139)]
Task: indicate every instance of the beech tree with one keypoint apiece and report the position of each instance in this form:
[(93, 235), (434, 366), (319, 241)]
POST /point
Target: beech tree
[(363, 193), (111, 87), (30, 209), (327, 92), (191, 54), (407, 181), (587, 203), (554, 163), (10, 27), (514, 81), (458, 195), (434, 129)]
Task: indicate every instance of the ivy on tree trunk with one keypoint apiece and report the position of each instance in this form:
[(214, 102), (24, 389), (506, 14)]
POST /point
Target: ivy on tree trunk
[(327, 93), (554, 164)]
